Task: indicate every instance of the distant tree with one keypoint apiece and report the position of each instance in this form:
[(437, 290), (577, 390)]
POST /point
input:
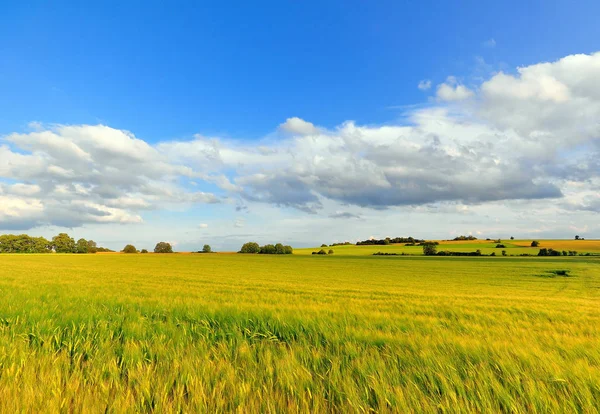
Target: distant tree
[(250, 247), (143, 251), (429, 249), (323, 245), (386, 241), (82, 246), (503, 252), (130, 248), (92, 247), (500, 246), (535, 243), (267, 249), (330, 251), (576, 237), (206, 249), (321, 252), (63, 243), (288, 250), (493, 254), (564, 253), (163, 247), (512, 238)]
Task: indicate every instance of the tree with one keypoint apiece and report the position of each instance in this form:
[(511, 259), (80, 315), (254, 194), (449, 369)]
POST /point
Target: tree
[(576, 237), (163, 247), (206, 249), (82, 246), (535, 243), (143, 251), (250, 247), (321, 252), (512, 238), (429, 249), (503, 252), (323, 245), (130, 248), (92, 246), (267, 249), (279, 248), (63, 243), (330, 251)]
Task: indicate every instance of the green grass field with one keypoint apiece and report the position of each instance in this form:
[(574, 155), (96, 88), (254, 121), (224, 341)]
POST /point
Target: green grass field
[(250, 333)]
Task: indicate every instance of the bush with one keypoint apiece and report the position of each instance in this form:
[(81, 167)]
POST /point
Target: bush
[(465, 238), (330, 251), (512, 238), (500, 246), (324, 245), (429, 249), (250, 247), (503, 252), (493, 254), (535, 243), (549, 252), (130, 248), (144, 251), (275, 249), (163, 247)]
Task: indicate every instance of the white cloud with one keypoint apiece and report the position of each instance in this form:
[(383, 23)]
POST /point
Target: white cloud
[(452, 90), (424, 85), (88, 174), (203, 225), (298, 126)]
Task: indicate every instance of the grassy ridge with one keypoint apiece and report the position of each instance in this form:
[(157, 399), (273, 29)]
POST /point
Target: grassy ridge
[(261, 333)]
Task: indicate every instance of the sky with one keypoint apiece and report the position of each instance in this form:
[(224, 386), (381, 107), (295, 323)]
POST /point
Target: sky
[(299, 122)]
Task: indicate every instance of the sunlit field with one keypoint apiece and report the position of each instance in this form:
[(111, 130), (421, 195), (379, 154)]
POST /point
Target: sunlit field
[(342, 333), (512, 247)]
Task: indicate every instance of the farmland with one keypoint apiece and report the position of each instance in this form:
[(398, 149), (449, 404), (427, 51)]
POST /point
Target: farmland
[(512, 247), (348, 332)]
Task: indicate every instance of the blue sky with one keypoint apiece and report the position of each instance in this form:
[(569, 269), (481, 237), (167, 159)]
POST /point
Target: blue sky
[(237, 72)]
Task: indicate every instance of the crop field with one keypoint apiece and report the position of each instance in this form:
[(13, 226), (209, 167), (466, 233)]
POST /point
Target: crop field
[(297, 333), (512, 247)]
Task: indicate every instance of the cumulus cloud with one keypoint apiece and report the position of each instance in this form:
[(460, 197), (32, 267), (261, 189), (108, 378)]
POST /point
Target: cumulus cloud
[(203, 225), (452, 90), (298, 126), (72, 175), (424, 85)]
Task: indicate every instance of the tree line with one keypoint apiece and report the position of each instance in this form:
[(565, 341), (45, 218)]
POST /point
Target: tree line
[(61, 243), (388, 240), (255, 248)]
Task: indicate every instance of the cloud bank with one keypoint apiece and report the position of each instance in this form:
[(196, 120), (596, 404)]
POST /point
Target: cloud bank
[(529, 135)]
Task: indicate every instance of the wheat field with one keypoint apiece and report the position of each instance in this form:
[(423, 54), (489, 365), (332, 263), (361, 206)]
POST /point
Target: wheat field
[(253, 333)]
